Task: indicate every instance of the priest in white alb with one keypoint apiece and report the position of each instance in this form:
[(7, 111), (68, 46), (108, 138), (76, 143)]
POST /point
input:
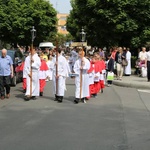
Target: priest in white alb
[(32, 61)]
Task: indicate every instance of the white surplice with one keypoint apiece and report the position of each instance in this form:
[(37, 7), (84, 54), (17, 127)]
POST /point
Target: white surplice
[(85, 78), (128, 67), (62, 73), (35, 74), (50, 65)]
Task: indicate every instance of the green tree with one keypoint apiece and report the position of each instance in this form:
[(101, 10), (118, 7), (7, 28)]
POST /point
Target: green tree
[(61, 39), (111, 22), (18, 16)]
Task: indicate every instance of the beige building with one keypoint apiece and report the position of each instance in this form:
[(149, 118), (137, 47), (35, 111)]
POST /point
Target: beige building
[(62, 19)]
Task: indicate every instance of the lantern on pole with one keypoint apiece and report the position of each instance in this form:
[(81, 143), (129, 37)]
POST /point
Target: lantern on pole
[(33, 35), (83, 35)]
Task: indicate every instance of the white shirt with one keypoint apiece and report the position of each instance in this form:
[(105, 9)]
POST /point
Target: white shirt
[(142, 55)]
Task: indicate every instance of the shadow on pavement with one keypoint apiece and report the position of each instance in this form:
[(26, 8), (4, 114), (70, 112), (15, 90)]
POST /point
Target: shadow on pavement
[(70, 98)]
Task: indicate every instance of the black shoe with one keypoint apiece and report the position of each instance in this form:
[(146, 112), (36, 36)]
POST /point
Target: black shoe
[(83, 100), (56, 98), (41, 93), (33, 98), (76, 101), (94, 95), (24, 90), (60, 99), (27, 98)]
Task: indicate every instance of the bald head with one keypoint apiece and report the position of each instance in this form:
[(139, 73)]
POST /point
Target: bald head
[(4, 52)]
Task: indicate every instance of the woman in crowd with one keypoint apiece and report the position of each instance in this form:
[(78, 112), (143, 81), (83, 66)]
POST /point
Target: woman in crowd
[(118, 58), (128, 67), (110, 67)]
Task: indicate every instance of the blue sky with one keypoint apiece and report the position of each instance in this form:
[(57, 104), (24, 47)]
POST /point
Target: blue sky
[(62, 6)]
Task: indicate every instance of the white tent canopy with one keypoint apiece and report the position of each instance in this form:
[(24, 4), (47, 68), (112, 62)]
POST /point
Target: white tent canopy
[(46, 45)]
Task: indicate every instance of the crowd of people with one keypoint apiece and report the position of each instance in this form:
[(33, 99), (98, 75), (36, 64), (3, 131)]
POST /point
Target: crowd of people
[(92, 70)]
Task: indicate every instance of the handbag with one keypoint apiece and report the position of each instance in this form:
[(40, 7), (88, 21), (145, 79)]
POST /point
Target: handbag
[(110, 76), (115, 65), (124, 62), (144, 71)]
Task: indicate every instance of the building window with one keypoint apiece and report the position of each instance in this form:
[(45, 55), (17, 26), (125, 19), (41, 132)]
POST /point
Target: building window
[(63, 18), (63, 28)]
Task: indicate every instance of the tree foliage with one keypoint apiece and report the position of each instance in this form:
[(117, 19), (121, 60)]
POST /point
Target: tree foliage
[(111, 22), (62, 39), (18, 16)]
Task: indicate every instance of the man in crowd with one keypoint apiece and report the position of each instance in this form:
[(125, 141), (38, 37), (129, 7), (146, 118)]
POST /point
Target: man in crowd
[(32, 61), (142, 55), (6, 72)]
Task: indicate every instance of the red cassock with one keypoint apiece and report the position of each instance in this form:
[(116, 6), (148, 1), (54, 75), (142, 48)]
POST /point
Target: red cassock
[(43, 69), (101, 81), (98, 69), (91, 86), (24, 85)]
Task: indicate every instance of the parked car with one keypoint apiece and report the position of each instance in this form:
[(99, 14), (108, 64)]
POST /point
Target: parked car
[(17, 58)]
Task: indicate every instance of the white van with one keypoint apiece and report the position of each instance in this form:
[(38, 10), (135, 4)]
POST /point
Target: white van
[(44, 45)]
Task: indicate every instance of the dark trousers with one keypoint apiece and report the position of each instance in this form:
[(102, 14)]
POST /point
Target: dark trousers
[(148, 70), (4, 84)]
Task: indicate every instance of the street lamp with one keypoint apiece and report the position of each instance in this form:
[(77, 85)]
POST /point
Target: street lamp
[(83, 35)]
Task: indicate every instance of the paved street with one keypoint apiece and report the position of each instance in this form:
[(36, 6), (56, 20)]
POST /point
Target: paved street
[(118, 119)]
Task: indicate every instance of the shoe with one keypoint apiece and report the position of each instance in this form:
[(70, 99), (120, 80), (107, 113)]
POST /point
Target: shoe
[(41, 93), (56, 98), (7, 96), (87, 98), (95, 95), (76, 101), (83, 100), (27, 98), (24, 90), (2, 97), (60, 99), (33, 98), (102, 91)]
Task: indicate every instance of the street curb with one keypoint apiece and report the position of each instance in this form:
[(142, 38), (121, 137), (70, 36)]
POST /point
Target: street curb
[(131, 85)]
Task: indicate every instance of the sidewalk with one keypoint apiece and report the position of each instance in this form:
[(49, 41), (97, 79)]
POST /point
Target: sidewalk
[(133, 81)]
